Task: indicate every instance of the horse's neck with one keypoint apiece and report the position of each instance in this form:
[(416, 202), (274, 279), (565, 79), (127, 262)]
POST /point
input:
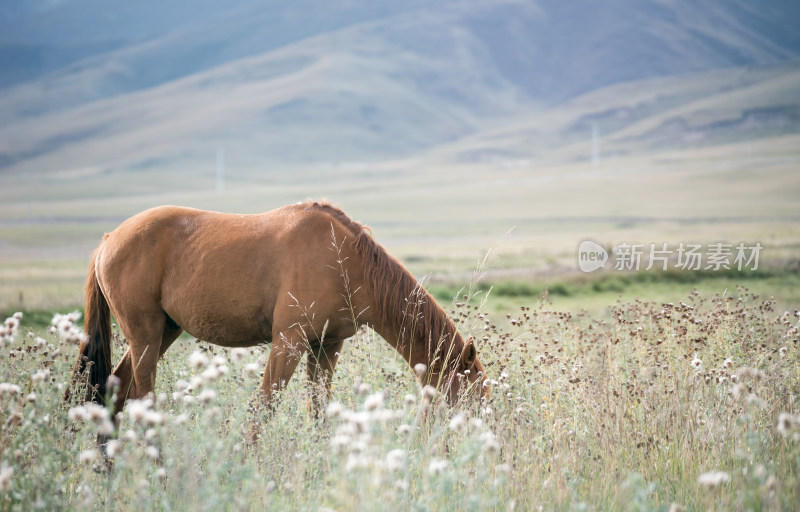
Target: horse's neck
[(415, 345)]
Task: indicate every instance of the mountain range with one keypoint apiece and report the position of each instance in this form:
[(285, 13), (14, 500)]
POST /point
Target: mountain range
[(105, 86)]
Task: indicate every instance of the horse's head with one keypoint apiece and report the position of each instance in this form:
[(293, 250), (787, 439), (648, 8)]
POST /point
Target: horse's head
[(467, 379)]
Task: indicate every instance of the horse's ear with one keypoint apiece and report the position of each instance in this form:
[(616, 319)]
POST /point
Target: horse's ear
[(469, 354)]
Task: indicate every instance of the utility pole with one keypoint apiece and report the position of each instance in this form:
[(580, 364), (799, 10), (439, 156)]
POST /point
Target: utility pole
[(595, 145)]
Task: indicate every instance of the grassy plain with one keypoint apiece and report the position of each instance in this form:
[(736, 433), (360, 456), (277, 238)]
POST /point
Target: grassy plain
[(691, 405), (597, 404), (441, 223)]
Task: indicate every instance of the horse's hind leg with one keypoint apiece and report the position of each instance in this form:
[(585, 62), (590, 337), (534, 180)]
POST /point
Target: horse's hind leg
[(124, 370)]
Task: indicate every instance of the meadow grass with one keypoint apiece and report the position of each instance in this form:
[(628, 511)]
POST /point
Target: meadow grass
[(657, 406)]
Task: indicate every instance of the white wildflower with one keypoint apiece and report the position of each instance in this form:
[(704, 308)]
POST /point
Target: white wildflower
[(410, 399), (334, 409), (153, 418), (374, 401), (207, 395), (197, 359), (64, 326), (750, 373), (251, 368), (211, 374), (138, 409), (113, 447), (41, 375), (696, 362), (490, 443), (238, 354), (395, 460), (357, 461), (437, 466), (196, 382), (78, 414), (12, 324), (420, 369), (151, 451), (96, 412), (88, 456), (428, 394), (8, 389), (340, 443), (787, 423), (5, 479), (458, 422), (713, 479), (360, 419), (756, 401), (105, 428)]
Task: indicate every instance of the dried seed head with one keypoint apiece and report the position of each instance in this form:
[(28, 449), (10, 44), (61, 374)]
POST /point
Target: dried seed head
[(88, 456), (334, 409), (458, 422), (428, 393), (374, 401)]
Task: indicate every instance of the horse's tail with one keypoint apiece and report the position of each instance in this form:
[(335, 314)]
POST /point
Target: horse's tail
[(95, 349)]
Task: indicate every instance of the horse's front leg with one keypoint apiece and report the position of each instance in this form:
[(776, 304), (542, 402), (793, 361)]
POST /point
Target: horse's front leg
[(287, 350), (321, 363)]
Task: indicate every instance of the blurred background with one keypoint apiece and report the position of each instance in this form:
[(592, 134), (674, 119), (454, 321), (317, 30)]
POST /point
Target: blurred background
[(453, 128)]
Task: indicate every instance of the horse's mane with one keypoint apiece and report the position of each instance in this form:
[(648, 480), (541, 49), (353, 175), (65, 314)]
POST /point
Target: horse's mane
[(404, 306)]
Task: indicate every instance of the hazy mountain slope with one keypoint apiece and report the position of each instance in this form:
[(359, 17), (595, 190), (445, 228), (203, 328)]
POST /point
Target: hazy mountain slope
[(716, 107), (309, 81)]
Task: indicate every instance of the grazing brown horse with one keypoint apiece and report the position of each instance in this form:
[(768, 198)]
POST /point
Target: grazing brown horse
[(304, 277)]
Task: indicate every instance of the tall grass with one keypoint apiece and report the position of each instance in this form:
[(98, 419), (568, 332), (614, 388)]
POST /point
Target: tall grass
[(663, 406)]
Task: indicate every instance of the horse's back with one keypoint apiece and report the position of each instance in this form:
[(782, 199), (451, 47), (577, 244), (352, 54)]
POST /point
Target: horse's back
[(218, 275)]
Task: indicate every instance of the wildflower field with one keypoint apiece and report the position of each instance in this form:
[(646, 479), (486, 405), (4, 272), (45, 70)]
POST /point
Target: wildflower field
[(657, 406)]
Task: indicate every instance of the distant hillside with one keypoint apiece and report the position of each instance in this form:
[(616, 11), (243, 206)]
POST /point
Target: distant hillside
[(100, 86)]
